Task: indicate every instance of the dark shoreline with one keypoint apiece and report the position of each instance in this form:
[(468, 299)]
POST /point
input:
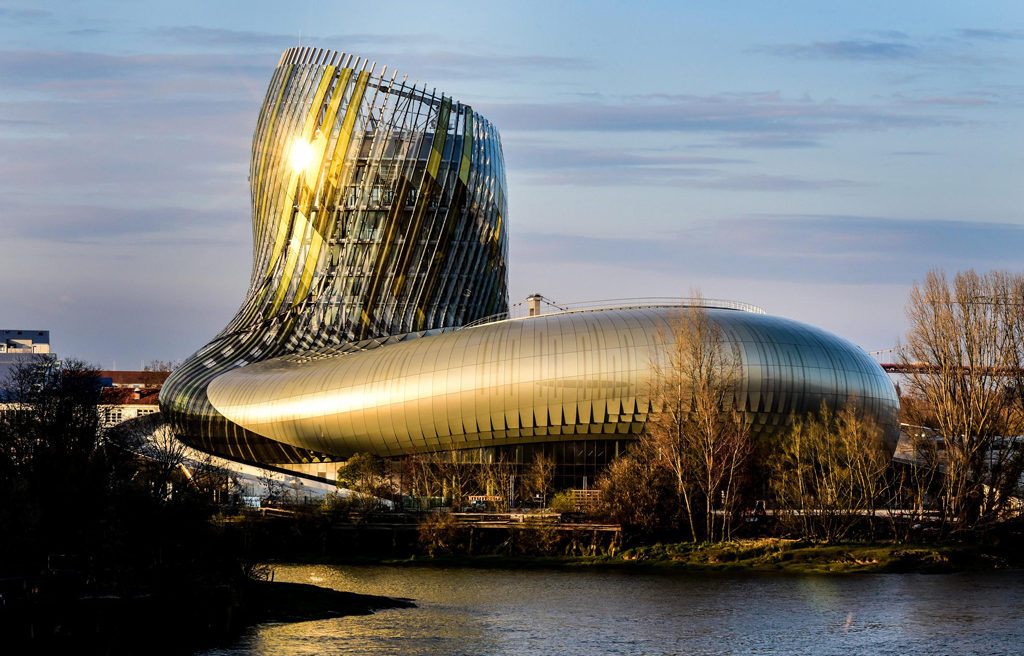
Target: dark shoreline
[(47, 619), (301, 602)]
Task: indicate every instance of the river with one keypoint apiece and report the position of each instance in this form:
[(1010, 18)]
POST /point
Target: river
[(474, 611)]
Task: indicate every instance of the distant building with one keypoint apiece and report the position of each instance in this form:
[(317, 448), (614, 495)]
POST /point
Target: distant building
[(119, 404), (24, 341), (18, 346), (125, 394), (129, 395), (139, 379)]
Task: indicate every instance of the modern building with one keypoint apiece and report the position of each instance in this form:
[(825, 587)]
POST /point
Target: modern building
[(376, 319), (19, 346)]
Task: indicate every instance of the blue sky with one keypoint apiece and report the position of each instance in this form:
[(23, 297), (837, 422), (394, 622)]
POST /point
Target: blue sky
[(814, 158)]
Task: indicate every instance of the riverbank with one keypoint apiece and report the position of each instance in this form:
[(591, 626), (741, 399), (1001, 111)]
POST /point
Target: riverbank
[(54, 614), (756, 555), (301, 602)]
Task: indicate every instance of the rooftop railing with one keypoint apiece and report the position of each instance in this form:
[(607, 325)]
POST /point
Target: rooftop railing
[(520, 310)]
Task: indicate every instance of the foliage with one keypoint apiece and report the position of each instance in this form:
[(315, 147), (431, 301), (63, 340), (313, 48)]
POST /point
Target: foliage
[(366, 474), (439, 533), (831, 472), (537, 538), (67, 488), (802, 556), (638, 490), (563, 502)]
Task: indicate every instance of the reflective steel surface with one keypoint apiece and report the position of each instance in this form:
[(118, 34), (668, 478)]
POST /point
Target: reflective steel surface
[(379, 227), (546, 378)]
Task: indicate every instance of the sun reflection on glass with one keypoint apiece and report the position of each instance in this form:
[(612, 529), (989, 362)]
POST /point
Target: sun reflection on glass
[(301, 155)]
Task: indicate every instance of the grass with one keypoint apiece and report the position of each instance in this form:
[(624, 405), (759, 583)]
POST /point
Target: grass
[(775, 555), (755, 555)]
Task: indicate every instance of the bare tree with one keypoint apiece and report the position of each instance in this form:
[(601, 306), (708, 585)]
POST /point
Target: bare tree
[(697, 425), (272, 484), (211, 481), (161, 365), (912, 497), (447, 474), (538, 477), (455, 475), (497, 478), (966, 338), (166, 456), (422, 475)]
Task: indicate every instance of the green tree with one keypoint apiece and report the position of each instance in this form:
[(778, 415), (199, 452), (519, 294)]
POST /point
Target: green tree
[(368, 476)]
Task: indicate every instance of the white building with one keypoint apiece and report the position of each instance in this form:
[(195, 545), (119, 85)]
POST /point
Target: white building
[(17, 346)]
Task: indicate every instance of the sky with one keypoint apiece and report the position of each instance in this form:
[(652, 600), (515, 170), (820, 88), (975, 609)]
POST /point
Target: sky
[(812, 158)]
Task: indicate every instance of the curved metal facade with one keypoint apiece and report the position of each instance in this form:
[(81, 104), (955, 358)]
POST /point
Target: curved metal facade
[(385, 237), (378, 209), (553, 377)]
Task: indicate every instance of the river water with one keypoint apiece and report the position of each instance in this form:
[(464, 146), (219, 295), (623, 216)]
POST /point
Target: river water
[(474, 611)]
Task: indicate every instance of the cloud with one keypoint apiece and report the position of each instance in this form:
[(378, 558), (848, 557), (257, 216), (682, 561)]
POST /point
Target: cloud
[(77, 75), (211, 37), (93, 224), (212, 75), (430, 56), (827, 248), (954, 101), (889, 35), (20, 122), (987, 34), (929, 52), (544, 163), (759, 182), (24, 16), (860, 50), (452, 64), (539, 155), (749, 119), (682, 178)]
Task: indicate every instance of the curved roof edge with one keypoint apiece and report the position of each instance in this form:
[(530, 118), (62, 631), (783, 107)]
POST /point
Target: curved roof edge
[(621, 304)]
